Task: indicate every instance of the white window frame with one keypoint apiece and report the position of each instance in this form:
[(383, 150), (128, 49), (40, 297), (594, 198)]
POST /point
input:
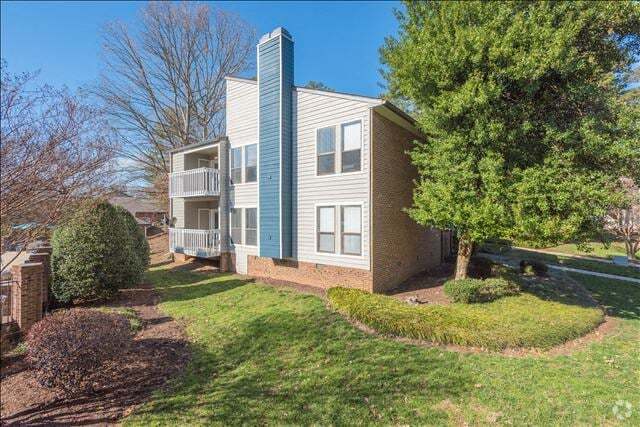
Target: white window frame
[(335, 150), (338, 229), (231, 168), (342, 233), (338, 148), (342, 150), (231, 228), (244, 227), (245, 166), (317, 229)]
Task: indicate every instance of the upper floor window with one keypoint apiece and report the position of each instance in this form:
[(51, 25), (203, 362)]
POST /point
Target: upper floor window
[(236, 165), (251, 163), (251, 226), (326, 148), (351, 146), (236, 226)]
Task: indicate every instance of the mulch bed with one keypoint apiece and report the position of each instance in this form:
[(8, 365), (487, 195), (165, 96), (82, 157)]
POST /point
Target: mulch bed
[(159, 352)]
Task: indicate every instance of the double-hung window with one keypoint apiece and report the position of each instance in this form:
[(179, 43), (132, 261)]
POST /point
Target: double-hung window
[(251, 226), (251, 163), (351, 230), (326, 231), (351, 146), (326, 149), (236, 226), (236, 165)]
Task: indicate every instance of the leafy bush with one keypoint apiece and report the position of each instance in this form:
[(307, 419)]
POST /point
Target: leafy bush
[(474, 290), (533, 267), (140, 243), (480, 267), (94, 255), (68, 349)]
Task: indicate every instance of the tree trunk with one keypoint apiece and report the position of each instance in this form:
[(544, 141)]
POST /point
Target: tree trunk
[(465, 249), (629, 248)]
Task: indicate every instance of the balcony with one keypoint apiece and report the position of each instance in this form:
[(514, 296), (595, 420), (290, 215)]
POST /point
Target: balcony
[(194, 183), (199, 243)]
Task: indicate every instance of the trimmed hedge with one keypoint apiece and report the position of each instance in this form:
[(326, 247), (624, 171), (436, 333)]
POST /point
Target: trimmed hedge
[(474, 290), (94, 255), (68, 349), (523, 321)]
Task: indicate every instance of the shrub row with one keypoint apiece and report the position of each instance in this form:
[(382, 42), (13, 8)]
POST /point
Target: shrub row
[(522, 321)]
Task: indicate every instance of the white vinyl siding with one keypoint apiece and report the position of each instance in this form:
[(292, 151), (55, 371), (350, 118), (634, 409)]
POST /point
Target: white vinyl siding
[(316, 111), (242, 130)]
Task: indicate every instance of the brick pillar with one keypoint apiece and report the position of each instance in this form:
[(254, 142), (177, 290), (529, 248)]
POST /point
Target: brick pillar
[(45, 259), (26, 304), (224, 209)]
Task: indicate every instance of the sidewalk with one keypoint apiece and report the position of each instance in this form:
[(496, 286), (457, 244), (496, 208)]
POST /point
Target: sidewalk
[(514, 264)]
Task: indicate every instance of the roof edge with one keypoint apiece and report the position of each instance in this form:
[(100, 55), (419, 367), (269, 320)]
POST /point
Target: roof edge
[(197, 144)]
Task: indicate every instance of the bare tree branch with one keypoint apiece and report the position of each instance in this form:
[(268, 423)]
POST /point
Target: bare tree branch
[(164, 87), (55, 150)]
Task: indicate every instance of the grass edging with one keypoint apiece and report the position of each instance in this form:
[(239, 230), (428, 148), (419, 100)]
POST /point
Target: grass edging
[(523, 321)]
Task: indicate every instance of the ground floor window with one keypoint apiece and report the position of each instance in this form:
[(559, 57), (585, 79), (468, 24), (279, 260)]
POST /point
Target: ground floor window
[(351, 228), (236, 226), (326, 229), (349, 234), (251, 226)]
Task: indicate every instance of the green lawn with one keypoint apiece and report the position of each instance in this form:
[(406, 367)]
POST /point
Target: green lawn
[(584, 264), (597, 250), (267, 356)]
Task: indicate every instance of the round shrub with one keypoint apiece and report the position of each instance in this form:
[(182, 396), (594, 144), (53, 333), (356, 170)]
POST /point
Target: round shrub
[(480, 267), (93, 255), (68, 349), (140, 243), (533, 267), (474, 290)]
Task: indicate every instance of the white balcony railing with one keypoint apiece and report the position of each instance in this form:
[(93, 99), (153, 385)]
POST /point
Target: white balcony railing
[(194, 182), (200, 243)]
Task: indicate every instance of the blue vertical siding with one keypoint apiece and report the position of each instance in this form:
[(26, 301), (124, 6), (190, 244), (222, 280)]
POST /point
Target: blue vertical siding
[(275, 159), (269, 179)]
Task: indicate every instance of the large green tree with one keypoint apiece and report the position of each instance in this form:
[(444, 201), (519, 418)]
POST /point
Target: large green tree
[(518, 103)]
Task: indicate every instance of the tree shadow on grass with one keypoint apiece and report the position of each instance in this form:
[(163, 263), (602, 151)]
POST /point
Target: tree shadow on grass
[(620, 299), (183, 285), (313, 367)]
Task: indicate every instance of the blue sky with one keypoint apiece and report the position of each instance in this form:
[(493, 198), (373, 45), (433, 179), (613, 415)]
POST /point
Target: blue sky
[(335, 42)]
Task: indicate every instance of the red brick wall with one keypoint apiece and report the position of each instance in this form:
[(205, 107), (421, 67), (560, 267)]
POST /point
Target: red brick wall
[(321, 275), (400, 247), (26, 304)]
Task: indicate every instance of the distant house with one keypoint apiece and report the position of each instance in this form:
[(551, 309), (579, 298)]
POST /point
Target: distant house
[(146, 211), (307, 185)]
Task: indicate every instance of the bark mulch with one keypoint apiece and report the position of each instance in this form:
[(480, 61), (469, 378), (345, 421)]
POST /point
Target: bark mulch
[(159, 352)]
